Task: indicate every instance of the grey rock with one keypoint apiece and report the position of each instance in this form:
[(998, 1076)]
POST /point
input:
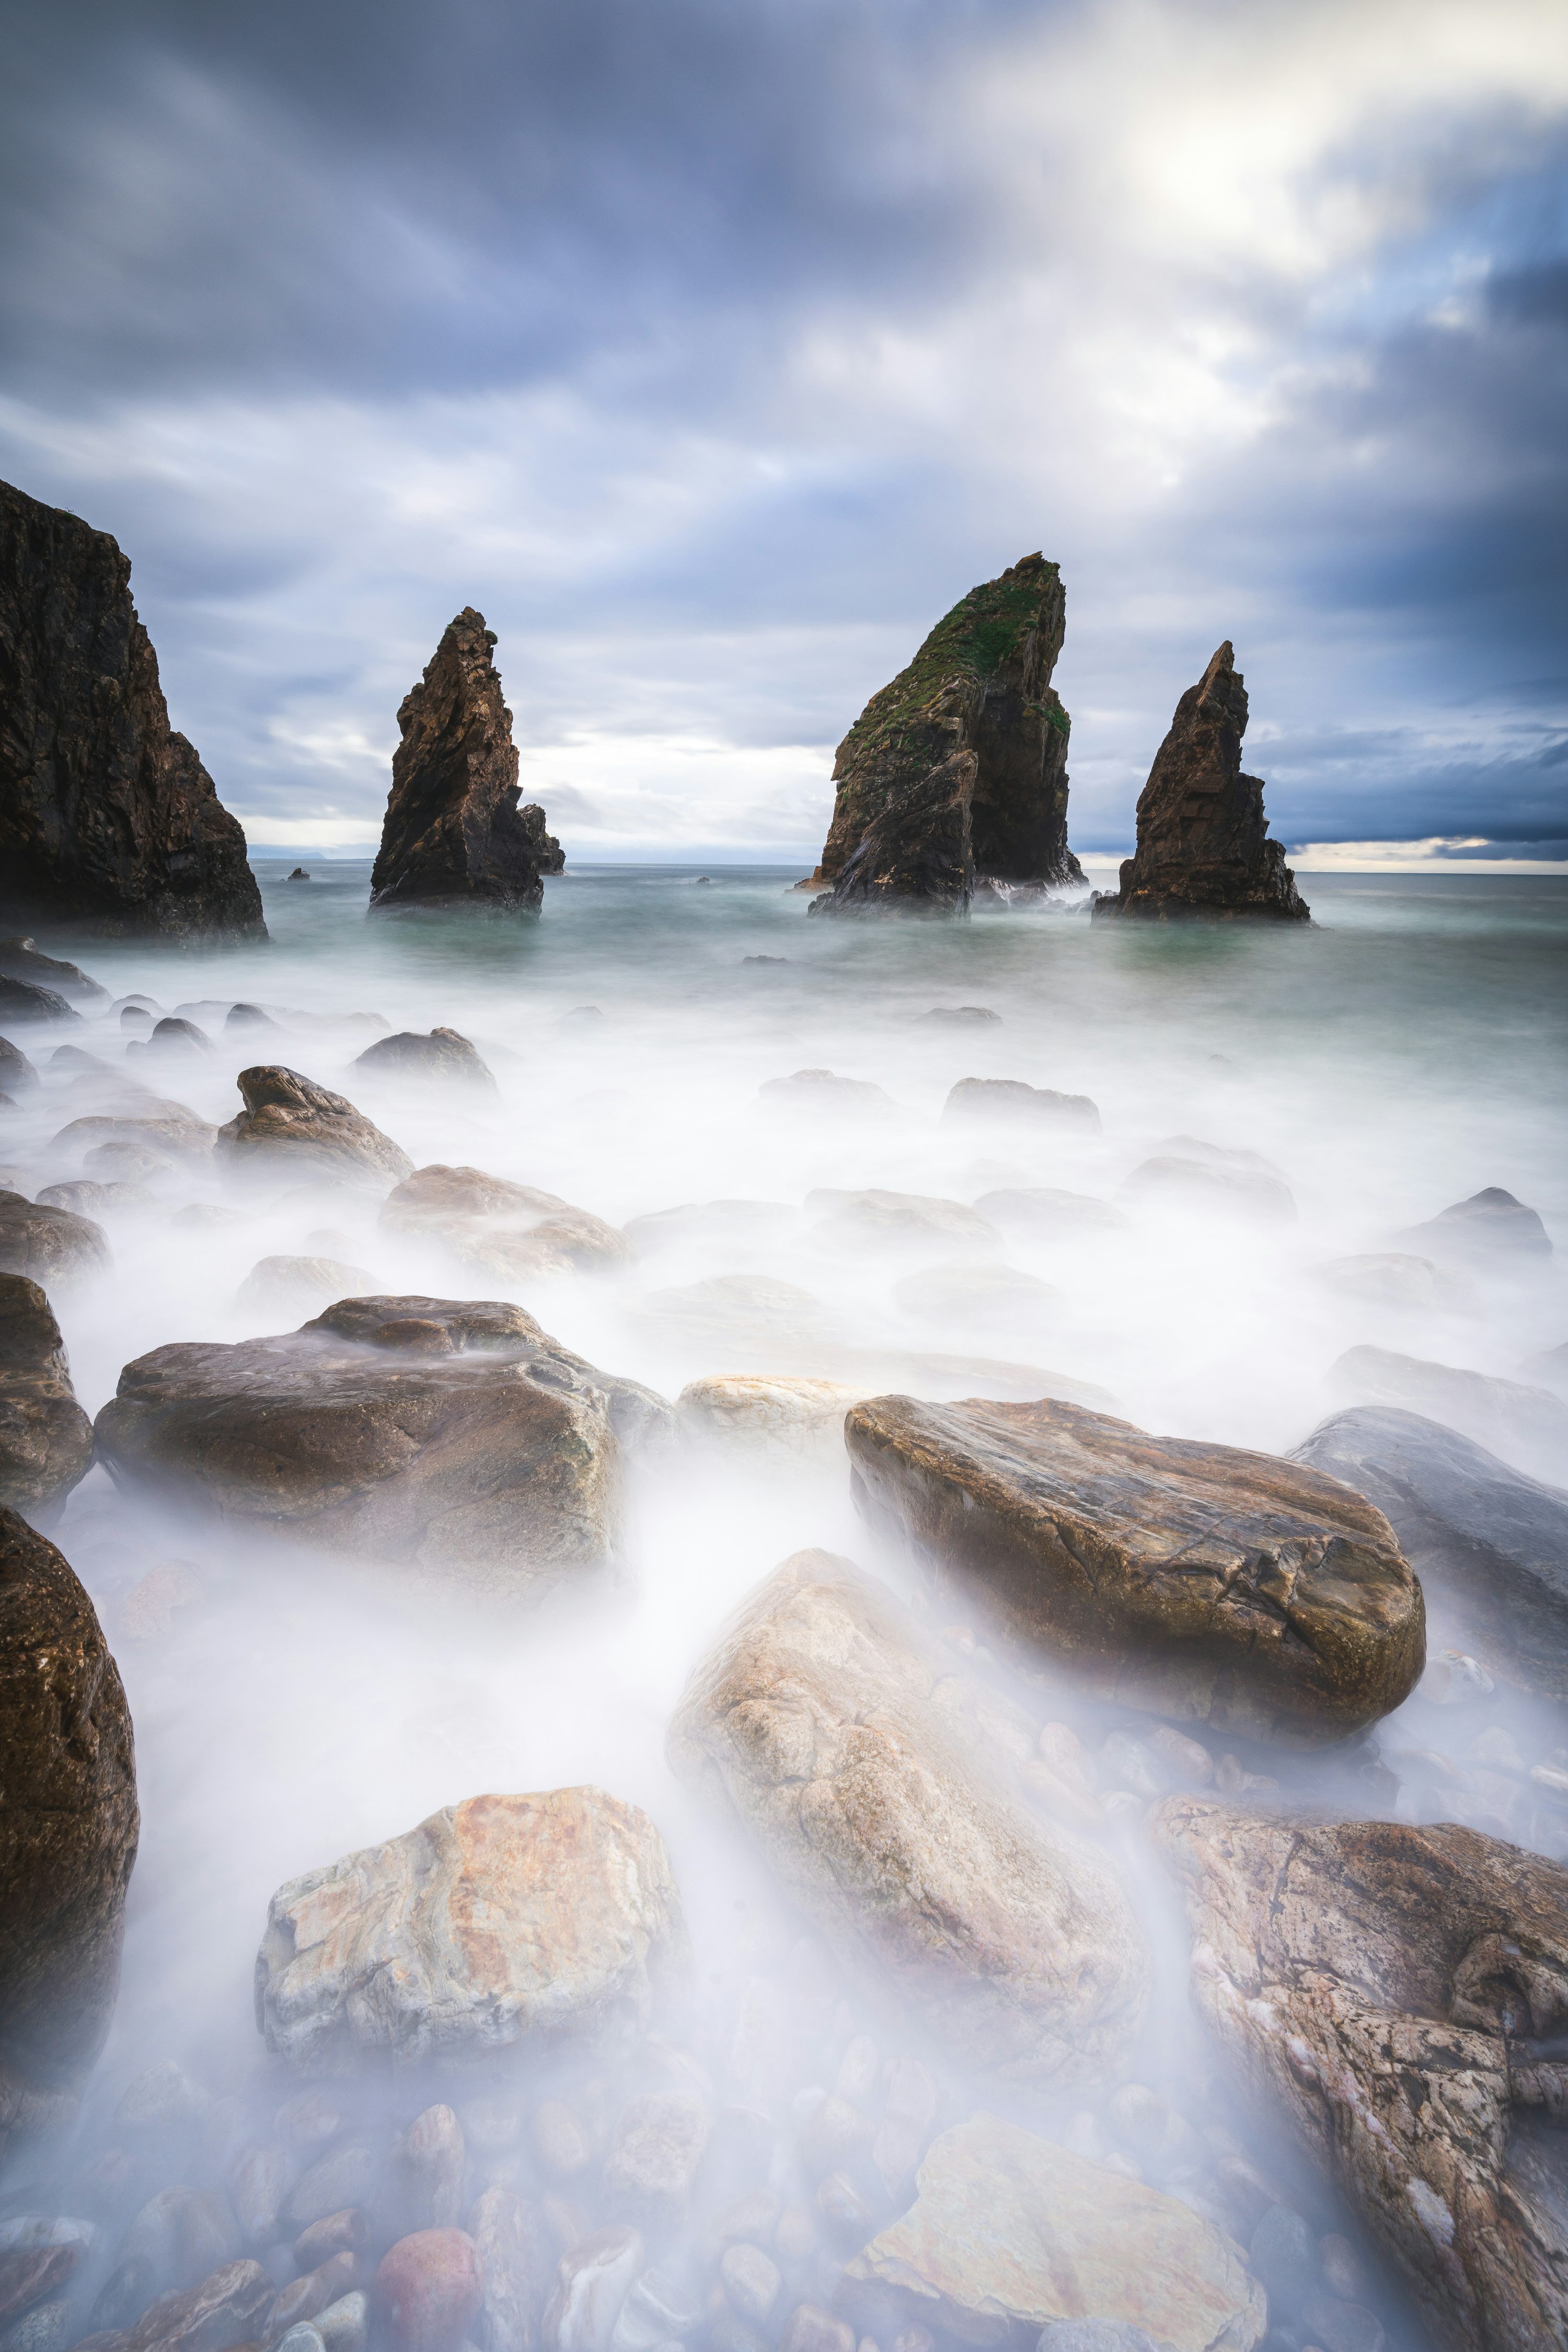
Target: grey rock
[(345, 2176), (46, 1439), (655, 2156), (17, 1075), (1284, 2253), (24, 1004), (182, 2235), (592, 2283), (1527, 1426), (23, 959), (1009, 1099), (49, 1245), (1489, 1229), (444, 1056), (751, 2281), (517, 2262)]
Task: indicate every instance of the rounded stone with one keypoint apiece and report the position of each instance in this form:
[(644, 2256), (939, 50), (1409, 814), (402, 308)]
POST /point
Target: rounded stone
[(427, 2290)]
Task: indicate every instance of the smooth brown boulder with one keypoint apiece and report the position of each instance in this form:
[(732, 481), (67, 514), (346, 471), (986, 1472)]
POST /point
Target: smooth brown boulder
[(445, 1055), (453, 834), (452, 1434), (1397, 1996), (108, 818), (827, 1721), (291, 1128), (46, 1439), (50, 1245), (1198, 1581), (1202, 839), (68, 1830)]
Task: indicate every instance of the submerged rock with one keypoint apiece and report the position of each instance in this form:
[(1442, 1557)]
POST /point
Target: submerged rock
[(108, 818), (544, 1919), (825, 1090), (165, 1133), (48, 1245), (981, 684), (443, 1054), (1392, 1278), (293, 1127), (801, 1416), (1010, 1099), (1041, 1213), (454, 1435), (46, 1439), (815, 1719), (1397, 1995), (1491, 1228), (493, 1227), (1528, 1426), (917, 854), (903, 1222), (17, 1075), (1489, 1545), (453, 834), (290, 1284), (24, 1001), (1212, 1188), (68, 1830), (1199, 1582), (23, 959), (1010, 2234), (1203, 840)]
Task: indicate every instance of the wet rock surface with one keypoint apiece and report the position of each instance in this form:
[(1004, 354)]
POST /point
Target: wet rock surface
[(917, 854), (290, 1127), (1204, 847), (443, 1055), (488, 1225), (1488, 1544), (812, 1721), (1527, 1425), (46, 1439), (979, 683), (554, 1918), (1398, 1995), (454, 1435), (453, 833), (23, 959), (108, 818), (50, 1245), (1200, 1582), (68, 1830)]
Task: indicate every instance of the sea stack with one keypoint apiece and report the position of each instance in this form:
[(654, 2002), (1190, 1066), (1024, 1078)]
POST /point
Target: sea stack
[(453, 833), (980, 685), (1203, 838), (109, 822)]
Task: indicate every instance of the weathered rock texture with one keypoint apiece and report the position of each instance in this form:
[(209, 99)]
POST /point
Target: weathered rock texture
[(453, 832), (443, 1055), (551, 1918), (292, 1127), (108, 819), (456, 1436), (1197, 1581), (1527, 1426), (1387, 1989), (46, 1244), (22, 959), (980, 683), (918, 854), (1488, 1544), (46, 1439), (493, 1227), (68, 1830), (1202, 839), (1009, 2232), (830, 1724)]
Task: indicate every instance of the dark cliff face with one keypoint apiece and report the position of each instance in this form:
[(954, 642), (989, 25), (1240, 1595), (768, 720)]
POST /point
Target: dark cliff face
[(919, 854), (980, 683), (108, 819), (1203, 838), (452, 831)]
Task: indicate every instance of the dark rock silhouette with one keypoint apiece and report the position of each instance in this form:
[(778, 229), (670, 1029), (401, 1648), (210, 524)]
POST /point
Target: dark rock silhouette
[(22, 960), (1202, 839), (300, 874), (980, 683), (452, 831), (108, 819), (68, 1830), (917, 854)]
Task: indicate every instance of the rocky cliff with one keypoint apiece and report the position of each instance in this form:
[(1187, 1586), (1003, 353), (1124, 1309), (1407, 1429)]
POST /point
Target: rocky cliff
[(919, 854), (108, 819), (452, 831), (980, 683), (1203, 838)]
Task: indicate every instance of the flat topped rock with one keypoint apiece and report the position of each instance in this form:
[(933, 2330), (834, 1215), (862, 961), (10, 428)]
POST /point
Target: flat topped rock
[(1009, 2233), (825, 1090), (1488, 1544), (502, 1920), (1199, 1582), (290, 1126), (450, 1433), (826, 1720), (1396, 1996), (46, 1439), (1010, 1099)]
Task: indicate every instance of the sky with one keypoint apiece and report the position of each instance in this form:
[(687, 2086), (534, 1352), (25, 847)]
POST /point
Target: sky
[(714, 347)]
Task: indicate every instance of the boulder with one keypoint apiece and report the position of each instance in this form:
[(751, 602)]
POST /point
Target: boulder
[(17, 1073), (1393, 1278), (46, 1439), (1527, 1426), (172, 1039), (452, 834), (290, 1284), (497, 1228), (427, 2291), (443, 1054), (1489, 1229), (68, 1830), (545, 1920), (702, 1226), (1038, 1213), (166, 1132), (108, 819), (1212, 1189), (48, 1244), (826, 1091), (25, 1003), (987, 1297), (1488, 1544), (906, 1222), (1396, 1995), (980, 685), (1198, 1581), (454, 1435), (1009, 1099), (798, 1416), (821, 1720), (917, 856), (86, 1197), (1203, 845), (1010, 2234), (291, 1128), (23, 959), (517, 2262)]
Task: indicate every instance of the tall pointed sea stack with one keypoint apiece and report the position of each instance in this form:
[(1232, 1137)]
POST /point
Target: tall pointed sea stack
[(453, 832), (981, 684), (1203, 838), (109, 822)]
